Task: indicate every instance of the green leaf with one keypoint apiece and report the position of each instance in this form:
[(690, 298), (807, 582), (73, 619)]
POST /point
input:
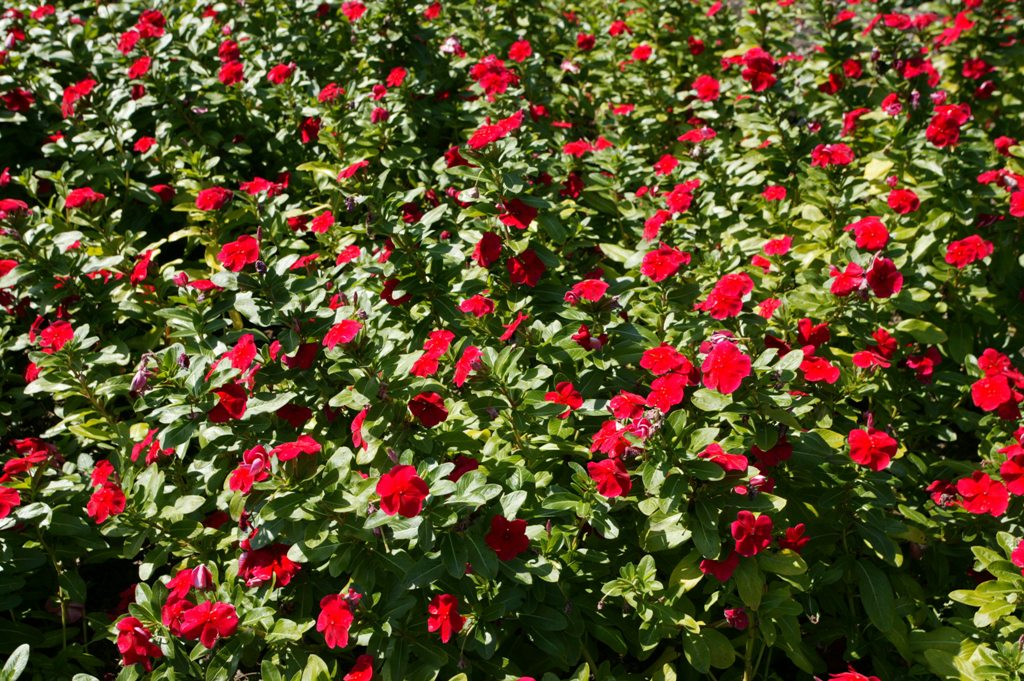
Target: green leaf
[(316, 670), (288, 630), (923, 332), (697, 653), (710, 400), (876, 595), (723, 655), (786, 562), (16, 663), (749, 583)]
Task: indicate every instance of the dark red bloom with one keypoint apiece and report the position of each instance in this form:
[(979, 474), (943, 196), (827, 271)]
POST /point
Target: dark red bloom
[(507, 537), (268, 565), (752, 535), (429, 409), (135, 643), (231, 403)]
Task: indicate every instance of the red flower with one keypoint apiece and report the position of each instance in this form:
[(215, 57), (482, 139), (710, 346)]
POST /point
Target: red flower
[(728, 462), (469, 361), (520, 50), (726, 298), (611, 477), (774, 193), (135, 643), (73, 93), (83, 196), (232, 400), (707, 88), (55, 336), (667, 391), (1012, 470), (588, 289), (443, 615), (18, 100), (9, 500), (962, 253), (477, 305), (291, 450), (852, 675), (663, 262), (626, 405), (209, 621), (830, 155), (1017, 556), (871, 448), (213, 198), (153, 445), (991, 392), (140, 271), (351, 170), (566, 394), (846, 281), (870, 233), (402, 492), (268, 565), (1017, 204), (106, 501), (665, 165), (751, 535), (139, 68), (322, 222), (341, 333), (759, 68), (663, 359), (235, 255), (794, 539), (231, 72), (488, 134), (279, 73), (725, 367), (507, 537), (254, 468), (721, 569), (363, 669), (492, 76), (903, 201), (944, 128), (884, 279), (981, 494), (353, 10), (819, 369), (463, 465), (335, 620), (525, 268), (487, 250), (429, 409)]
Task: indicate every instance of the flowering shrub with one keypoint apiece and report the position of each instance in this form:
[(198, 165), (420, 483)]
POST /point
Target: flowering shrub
[(458, 340)]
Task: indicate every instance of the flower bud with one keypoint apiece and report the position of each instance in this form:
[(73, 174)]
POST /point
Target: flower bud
[(202, 579)]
